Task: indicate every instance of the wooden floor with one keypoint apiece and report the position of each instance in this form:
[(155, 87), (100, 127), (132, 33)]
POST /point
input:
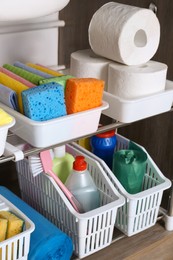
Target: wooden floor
[(154, 243)]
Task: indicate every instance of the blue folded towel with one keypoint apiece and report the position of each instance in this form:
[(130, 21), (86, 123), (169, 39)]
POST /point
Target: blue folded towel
[(32, 70), (47, 241), (8, 97)]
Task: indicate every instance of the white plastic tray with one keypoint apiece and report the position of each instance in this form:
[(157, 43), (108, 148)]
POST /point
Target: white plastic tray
[(54, 131), (131, 110), (3, 134), (16, 247)]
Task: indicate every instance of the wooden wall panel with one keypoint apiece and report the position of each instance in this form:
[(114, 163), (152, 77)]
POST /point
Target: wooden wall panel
[(155, 133)]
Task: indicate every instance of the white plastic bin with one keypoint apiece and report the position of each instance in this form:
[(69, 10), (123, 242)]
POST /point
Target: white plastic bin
[(140, 210), (90, 231), (57, 130), (16, 247), (3, 134)]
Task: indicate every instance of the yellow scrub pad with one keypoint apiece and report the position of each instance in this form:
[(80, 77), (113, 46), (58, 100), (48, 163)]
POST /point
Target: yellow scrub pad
[(44, 69), (14, 85), (4, 118), (83, 93), (15, 224), (3, 229)]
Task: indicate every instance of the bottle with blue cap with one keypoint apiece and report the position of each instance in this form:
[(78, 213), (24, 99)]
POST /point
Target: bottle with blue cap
[(103, 146)]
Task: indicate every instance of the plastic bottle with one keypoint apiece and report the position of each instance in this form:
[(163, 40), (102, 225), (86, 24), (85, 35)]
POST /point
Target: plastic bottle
[(103, 145), (62, 163), (82, 186), (85, 143)]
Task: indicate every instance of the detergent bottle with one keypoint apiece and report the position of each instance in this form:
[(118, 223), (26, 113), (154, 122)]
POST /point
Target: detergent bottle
[(82, 186), (103, 145), (62, 163)]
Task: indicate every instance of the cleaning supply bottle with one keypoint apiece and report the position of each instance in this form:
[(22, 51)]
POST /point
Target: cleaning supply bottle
[(82, 186), (62, 163), (103, 145)]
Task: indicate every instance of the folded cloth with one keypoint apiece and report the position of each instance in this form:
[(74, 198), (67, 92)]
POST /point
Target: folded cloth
[(24, 74), (32, 70), (8, 97), (47, 241), (14, 85), (44, 69), (16, 77)]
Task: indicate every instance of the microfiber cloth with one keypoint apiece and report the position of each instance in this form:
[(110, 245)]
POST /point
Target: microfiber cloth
[(16, 77), (45, 69), (47, 241), (32, 70), (15, 86), (23, 73), (8, 97)]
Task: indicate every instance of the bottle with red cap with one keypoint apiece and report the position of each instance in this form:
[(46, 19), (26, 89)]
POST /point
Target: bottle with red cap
[(82, 186), (103, 145)]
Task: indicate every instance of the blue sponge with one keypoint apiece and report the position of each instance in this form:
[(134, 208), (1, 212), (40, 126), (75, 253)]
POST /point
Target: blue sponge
[(44, 102)]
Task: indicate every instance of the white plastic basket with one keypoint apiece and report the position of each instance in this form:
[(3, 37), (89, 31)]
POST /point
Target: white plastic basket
[(57, 130), (90, 231), (16, 247), (140, 210), (3, 134)]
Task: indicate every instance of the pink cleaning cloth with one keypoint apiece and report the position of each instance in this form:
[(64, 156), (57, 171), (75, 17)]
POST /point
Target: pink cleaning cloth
[(16, 77)]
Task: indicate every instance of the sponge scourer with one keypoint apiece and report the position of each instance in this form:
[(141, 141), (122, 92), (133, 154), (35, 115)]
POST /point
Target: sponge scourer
[(3, 229), (83, 93), (44, 102), (14, 224)]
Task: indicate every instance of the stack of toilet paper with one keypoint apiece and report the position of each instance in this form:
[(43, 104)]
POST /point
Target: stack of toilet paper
[(123, 40)]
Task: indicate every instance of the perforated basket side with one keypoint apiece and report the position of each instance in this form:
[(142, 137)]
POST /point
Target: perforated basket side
[(90, 231), (16, 247), (140, 210)]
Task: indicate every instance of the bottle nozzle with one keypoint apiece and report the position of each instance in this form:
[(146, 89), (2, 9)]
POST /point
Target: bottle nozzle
[(79, 164)]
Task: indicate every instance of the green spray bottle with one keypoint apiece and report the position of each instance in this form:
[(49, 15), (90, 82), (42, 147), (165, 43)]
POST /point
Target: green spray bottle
[(62, 162)]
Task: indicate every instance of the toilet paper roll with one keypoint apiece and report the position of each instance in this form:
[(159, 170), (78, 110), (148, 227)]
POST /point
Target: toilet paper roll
[(85, 63), (123, 33), (130, 82)]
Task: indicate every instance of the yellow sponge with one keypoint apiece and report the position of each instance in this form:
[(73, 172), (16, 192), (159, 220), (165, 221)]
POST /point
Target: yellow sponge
[(14, 85), (15, 224), (44, 69), (3, 229), (83, 93)]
